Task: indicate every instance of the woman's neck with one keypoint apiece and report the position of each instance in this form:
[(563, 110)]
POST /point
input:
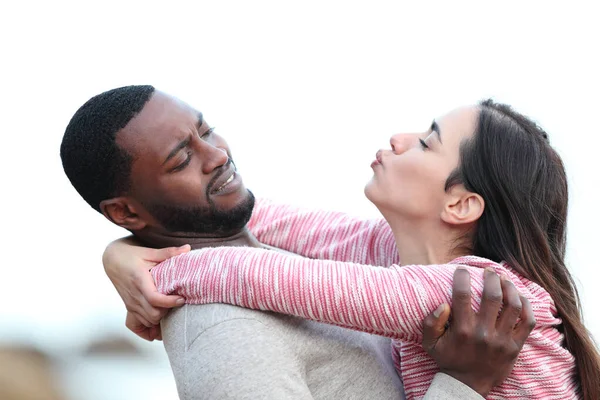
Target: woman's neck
[(421, 244)]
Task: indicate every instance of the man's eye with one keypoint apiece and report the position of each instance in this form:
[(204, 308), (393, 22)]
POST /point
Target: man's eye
[(184, 163)]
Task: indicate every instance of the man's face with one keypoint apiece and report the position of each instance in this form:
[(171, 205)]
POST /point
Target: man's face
[(182, 173)]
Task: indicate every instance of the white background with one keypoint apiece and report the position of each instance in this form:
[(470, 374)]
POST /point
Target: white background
[(304, 91)]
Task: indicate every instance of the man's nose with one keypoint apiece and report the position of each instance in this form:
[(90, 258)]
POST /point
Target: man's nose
[(401, 142), (212, 157)]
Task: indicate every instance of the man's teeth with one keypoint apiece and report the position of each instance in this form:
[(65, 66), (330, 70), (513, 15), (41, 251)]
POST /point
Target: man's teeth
[(226, 182)]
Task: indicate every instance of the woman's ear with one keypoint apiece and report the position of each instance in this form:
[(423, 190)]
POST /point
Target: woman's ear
[(120, 211), (462, 207)]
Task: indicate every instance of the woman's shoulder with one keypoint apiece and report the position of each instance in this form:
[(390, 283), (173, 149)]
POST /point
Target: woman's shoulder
[(541, 301)]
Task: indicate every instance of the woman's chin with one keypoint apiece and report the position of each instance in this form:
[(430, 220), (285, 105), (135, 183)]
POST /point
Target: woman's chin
[(371, 192), (369, 189)]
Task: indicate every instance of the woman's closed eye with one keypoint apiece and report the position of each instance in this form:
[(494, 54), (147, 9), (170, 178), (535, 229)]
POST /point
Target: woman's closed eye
[(423, 144), (209, 132)]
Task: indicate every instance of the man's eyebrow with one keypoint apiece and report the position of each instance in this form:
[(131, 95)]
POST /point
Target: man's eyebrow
[(436, 128), (184, 142), (177, 148)]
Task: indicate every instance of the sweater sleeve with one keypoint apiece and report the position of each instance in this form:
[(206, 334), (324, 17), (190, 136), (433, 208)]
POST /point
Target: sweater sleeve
[(390, 302), (444, 387), (326, 235)]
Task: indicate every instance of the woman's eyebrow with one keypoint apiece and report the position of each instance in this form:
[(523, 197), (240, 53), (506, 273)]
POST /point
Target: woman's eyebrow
[(200, 120), (436, 128)]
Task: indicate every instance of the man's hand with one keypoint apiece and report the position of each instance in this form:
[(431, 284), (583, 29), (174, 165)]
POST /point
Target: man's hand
[(479, 350), (128, 267)]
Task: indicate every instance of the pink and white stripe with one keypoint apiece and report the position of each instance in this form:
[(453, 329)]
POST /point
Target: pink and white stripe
[(342, 286)]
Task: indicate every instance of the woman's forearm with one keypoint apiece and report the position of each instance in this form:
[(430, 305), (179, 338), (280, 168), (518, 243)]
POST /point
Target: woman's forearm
[(387, 301), (327, 235)]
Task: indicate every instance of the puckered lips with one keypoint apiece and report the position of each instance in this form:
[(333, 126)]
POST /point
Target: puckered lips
[(378, 159), (227, 181)]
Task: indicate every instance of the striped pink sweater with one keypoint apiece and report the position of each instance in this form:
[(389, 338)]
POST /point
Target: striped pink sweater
[(341, 285)]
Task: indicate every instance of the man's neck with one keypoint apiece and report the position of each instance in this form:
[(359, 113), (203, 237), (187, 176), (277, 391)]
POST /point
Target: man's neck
[(161, 240)]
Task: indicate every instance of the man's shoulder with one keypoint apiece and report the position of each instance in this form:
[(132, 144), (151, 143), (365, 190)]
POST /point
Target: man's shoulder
[(233, 352), (323, 359), (185, 324), (207, 315)]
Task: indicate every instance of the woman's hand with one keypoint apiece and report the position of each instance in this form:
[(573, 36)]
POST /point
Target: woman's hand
[(135, 326), (128, 267)]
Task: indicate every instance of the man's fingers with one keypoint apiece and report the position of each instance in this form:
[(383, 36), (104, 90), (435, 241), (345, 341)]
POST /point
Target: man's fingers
[(461, 296), (511, 307), (491, 299), (527, 323), (434, 326), (160, 255)]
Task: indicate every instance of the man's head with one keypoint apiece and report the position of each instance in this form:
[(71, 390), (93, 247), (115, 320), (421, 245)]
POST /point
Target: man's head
[(151, 164)]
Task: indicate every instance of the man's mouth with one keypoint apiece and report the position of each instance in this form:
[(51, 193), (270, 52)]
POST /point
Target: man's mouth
[(227, 182)]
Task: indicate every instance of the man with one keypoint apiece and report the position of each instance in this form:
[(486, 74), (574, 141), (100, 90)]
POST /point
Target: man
[(150, 163)]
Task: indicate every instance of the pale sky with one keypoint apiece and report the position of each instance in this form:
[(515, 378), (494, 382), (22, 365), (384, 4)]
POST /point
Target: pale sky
[(304, 92)]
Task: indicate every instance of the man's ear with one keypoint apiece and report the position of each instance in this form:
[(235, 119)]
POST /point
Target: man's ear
[(122, 212), (462, 207)]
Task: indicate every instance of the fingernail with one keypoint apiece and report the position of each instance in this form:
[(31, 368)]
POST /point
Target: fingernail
[(490, 269), (438, 311), (180, 301)]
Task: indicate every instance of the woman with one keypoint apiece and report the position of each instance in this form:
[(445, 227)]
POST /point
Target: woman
[(482, 188)]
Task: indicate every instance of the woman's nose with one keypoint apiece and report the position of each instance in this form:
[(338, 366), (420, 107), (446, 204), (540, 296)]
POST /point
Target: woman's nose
[(401, 142)]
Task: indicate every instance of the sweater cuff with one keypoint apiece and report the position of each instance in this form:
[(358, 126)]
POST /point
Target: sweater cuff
[(448, 388)]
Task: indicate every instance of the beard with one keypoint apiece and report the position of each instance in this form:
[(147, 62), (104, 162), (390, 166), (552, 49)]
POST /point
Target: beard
[(205, 221)]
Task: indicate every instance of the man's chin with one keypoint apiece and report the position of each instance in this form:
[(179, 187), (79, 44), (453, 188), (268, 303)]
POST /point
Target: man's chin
[(232, 217), (218, 219)]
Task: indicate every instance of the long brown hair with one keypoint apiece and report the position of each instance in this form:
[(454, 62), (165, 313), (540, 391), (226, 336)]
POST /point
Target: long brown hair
[(510, 163)]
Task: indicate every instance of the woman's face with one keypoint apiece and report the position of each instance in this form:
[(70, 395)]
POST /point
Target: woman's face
[(409, 178)]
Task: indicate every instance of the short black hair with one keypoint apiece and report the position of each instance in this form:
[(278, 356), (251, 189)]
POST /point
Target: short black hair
[(96, 166)]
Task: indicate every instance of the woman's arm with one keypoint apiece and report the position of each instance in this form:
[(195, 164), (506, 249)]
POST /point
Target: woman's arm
[(387, 301), (326, 235), (127, 265)]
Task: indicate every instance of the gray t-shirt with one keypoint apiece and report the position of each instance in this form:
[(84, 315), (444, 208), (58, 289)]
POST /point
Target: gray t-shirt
[(219, 351)]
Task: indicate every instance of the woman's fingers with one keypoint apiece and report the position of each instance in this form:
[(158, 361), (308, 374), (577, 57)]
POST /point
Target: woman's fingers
[(154, 304), (136, 319), (157, 299), (160, 255)]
